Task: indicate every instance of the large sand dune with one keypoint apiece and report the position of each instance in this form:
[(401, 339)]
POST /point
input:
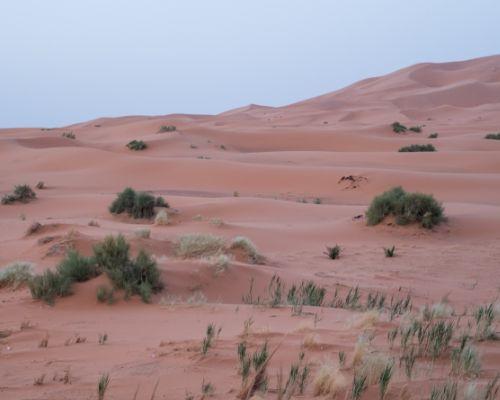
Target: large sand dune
[(277, 160)]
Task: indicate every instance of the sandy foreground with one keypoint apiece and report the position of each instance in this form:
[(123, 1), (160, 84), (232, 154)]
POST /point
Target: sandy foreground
[(257, 171)]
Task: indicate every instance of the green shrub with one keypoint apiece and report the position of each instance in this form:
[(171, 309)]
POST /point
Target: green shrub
[(167, 128), (50, 285), (433, 135), (68, 135), (105, 294), (416, 129), (417, 147), (493, 136), (406, 207), (77, 267), (136, 145), (16, 274), (21, 193), (136, 204), (333, 252), (398, 128), (138, 276)]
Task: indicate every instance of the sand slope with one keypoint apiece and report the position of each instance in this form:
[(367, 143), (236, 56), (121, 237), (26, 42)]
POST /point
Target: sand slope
[(259, 169)]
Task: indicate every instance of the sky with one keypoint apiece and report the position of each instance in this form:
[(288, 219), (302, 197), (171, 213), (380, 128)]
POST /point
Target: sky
[(68, 61)]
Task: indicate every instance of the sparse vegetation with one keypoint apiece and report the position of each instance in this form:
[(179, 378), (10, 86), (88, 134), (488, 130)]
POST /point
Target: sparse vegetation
[(167, 128), (136, 204), (359, 386), (102, 338), (246, 245), (328, 381), (417, 148), (50, 285), (40, 185), (416, 128), (161, 218), (398, 128), (105, 295), (433, 135), (493, 136), (102, 386), (136, 145), (333, 252), (77, 267), (16, 274), (138, 276), (207, 342), (68, 135), (406, 207), (143, 233), (197, 245), (390, 251), (447, 391), (21, 193)]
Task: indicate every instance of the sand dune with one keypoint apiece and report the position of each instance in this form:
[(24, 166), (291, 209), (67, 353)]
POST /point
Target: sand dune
[(259, 172)]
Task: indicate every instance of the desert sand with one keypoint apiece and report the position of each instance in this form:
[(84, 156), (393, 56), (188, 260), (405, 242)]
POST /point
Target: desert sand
[(256, 171)]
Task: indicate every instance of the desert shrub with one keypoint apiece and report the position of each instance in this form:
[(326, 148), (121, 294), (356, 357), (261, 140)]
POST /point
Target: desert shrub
[(406, 207), (245, 244), (416, 129), (77, 267), (138, 276), (398, 128), (333, 252), (417, 148), (433, 135), (143, 233), (21, 193), (136, 145), (199, 245), (328, 381), (40, 185), (136, 204), (167, 128), (448, 391), (105, 295), (465, 360), (493, 136), (161, 218), (390, 251), (50, 285), (144, 205), (16, 274), (68, 135)]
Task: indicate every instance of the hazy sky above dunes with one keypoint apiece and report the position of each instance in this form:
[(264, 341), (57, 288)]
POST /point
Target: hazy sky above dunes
[(65, 61)]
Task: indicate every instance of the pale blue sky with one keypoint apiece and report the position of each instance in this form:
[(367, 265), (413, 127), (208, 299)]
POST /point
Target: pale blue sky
[(65, 61)]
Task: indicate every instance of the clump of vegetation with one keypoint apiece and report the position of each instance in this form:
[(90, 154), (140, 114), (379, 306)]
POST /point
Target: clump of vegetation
[(328, 381), (390, 251), (167, 128), (417, 148), (161, 218), (136, 145), (245, 244), (484, 316), (40, 185), (416, 129), (207, 342), (493, 136), (50, 285), (333, 252), (102, 386), (69, 135), (77, 267), (398, 128), (448, 391), (139, 276), (465, 360), (143, 233), (16, 274), (197, 245), (21, 193), (136, 204), (406, 207), (359, 386), (105, 295), (433, 135)]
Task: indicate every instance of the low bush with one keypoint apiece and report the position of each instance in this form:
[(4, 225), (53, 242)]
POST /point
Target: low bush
[(417, 147), (21, 193), (416, 129), (245, 244), (68, 135), (167, 128), (333, 252), (433, 135), (406, 207), (493, 136), (50, 285), (77, 267), (139, 276), (105, 295), (16, 274), (199, 245), (398, 128), (136, 145), (136, 204)]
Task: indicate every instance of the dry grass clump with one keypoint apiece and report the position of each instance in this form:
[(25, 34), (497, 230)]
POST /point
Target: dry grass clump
[(220, 263), (245, 244), (329, 381), (197, 245), (161, 218), (366, 320), (143, 233), (217, 222), (360, 349), (373, 365), (16, 274)]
